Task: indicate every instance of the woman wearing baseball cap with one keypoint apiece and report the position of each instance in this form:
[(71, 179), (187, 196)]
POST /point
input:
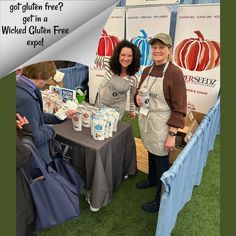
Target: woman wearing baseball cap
[(161, 97)]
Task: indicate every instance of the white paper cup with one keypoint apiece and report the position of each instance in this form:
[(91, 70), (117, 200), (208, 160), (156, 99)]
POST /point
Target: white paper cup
[(77, 121)]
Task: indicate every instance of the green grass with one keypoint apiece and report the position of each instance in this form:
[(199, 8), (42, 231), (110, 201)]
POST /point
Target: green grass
[(124, 216), (133, 123)]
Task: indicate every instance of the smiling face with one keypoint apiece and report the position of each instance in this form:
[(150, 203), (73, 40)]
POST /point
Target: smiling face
[(126, 57), (160, 52)]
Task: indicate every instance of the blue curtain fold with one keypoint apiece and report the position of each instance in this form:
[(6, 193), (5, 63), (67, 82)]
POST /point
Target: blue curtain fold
[(74, 76), (122, 3), (186, 172), (198, 1)]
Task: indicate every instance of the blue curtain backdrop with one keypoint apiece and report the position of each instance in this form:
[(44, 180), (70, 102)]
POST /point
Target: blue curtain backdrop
[(75, 76), (198, 1), (122, 3), (186, 171)]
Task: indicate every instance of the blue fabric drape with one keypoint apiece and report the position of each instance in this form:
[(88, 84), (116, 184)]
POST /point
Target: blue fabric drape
[(186, 172), (123, 2), (74, 76), (198, 1)]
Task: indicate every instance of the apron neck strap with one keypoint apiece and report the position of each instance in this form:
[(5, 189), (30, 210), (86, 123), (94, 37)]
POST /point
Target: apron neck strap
[(165, 68)]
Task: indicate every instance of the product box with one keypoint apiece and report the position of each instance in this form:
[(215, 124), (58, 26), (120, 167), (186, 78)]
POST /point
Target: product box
[(179, 145), (64, 93), (174, 154), (192, 120)]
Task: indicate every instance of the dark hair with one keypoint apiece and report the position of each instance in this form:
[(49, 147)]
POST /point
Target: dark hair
[(114, 61), (42, 70)]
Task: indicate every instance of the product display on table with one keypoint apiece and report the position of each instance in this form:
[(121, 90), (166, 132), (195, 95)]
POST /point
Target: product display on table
[(80, 95), (64, 93), (51, 102), (103, 122), (69, 105), (77, 121)]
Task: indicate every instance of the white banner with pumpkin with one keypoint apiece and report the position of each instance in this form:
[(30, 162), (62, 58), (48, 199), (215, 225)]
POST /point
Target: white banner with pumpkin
[(113, 32), (142, 23), (197, 52)]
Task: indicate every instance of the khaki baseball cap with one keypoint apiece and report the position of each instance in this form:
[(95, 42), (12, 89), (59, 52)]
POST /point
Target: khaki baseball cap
[(165, 38)]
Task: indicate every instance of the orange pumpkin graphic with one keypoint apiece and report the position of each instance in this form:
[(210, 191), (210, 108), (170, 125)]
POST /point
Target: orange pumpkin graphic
[(198, 54)]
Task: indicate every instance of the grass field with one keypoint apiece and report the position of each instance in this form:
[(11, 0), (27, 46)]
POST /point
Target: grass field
[(124, 216)]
